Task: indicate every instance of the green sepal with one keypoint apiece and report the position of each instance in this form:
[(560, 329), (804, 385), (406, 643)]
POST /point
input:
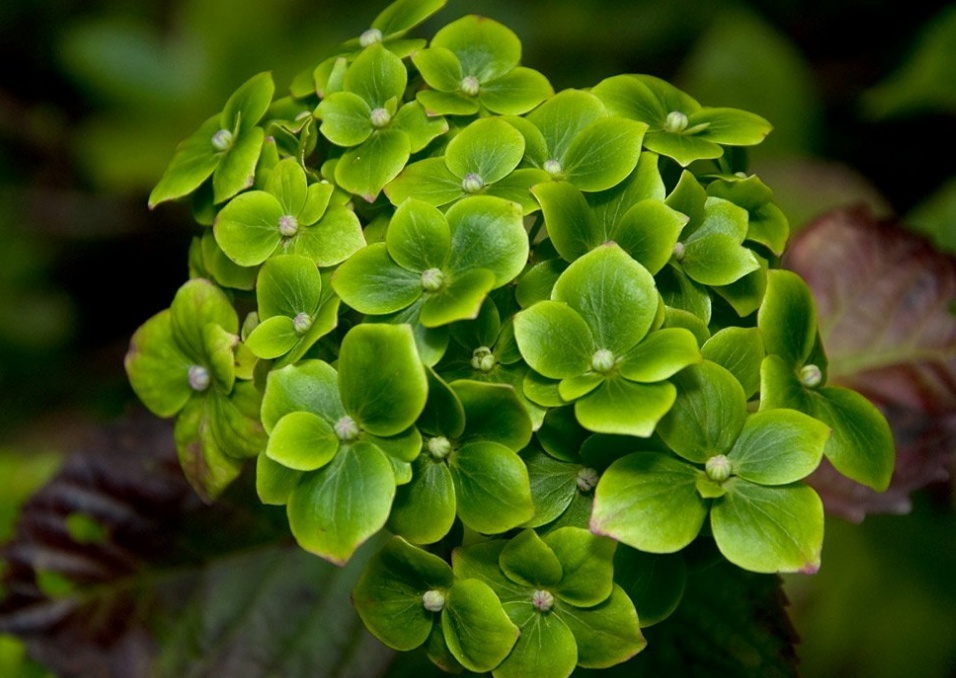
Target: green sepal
[(364, 170), (680, 292), (545, 649), (237, 169), (625, 407), (648, 232), (477, 630), (561, 435), (302, 441), (488, 147), (331, 240), (606, 634), (370, 282), (777, 447), (769, 529), (516, 187), (767, 223), (418, 236), (485, 48), (217, 265), (401, 16), (446, 103), (199, 303), (493, 413), (487, 232), (274, 482), (553, 486), (381, 378), (559, 121), (404, 446), (527, 560), (418, 126), (346, 119), (424, 509), (378, 76), (713, 253), (428, 180), (492, 487), (654, 582), (708, 414), (660, 355), (157, 368), (554, 340), (193, 163), (516, 92), (650, 502), (587, 565), (603, 153), (247, 229), (337, 508), (207, 467), (388, 593), (571, 225), (308, 386), (788, 317), (573, 388), (431, 342), (459, 299), (739, 350), (444, 414), (439, 67), (730, 126)]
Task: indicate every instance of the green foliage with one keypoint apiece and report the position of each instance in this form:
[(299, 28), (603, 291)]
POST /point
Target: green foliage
[(539, 337)]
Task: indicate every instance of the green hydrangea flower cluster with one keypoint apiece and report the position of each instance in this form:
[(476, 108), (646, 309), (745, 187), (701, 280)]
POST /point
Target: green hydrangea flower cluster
[(535, 337)]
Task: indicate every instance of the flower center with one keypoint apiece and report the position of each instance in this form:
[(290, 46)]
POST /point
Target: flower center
[(438, 447), (542, 600), (432, 279), (199, 378), (301, 323), (346, 429), (553, 167), (483, 359), (222, 140), (472, 183), (470, 86), (587, 479), (433, 600), (810, 376), (676, 122), (679, 251), (718, 468), (380, 117), (288, 225), (370, 37), (602, 361)]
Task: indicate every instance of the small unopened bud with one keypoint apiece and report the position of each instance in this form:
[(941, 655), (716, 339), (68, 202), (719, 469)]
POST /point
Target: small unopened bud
[(370, 37), (472, 183), (587, 479), (222, 140), (438, 447), (288, 225), (602, 361), (301, 323), (433, 600), (470, 86), (346, 429), (811, 376), (676, 122), (718, 468), (678, 250), (380, 117), (553, 167), (482, 359), (199, 378), (542, 600), (432, 279)]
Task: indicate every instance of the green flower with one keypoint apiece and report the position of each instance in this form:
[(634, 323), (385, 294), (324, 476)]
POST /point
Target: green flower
[(472, 64), (678, 126), (226, 147), (742, 469)]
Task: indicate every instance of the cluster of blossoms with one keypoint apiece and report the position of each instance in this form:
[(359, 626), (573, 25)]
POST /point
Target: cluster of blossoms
[(537, 338)]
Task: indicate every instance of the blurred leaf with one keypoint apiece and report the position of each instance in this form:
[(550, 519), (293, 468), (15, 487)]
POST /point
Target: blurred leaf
[(924, 82), (885, 301), (935, 217), (178, 588)]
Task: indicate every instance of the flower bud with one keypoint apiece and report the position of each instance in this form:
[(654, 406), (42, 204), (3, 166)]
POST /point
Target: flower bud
[(199, 378)]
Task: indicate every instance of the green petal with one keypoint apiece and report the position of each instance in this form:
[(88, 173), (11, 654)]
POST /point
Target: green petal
[(553, 486), (625, 407), (571, 224), (777, 447), (274, 482), (681, 147), (458, 300), (707, 416), (604, 153), (606, 634), (492, 487), (330, 241), (420, 128), (302, 441), (573, 388), (650, 502), (788, 317), (516, 187), (439, 67), (739, 350), (418, 236), (346, 119), (527, 560), (370, 282), (288, 184), (237, 169), (403, 15), (446, 103), (427, 180), (364, 170), (614, 294), (157, 368), (545, 648), (309, 386), (730, 126), (661, 355), (587, 564), (654, 582), (336, 509), (485, 48), (648, 232), (769, 529), (199, 303), (554, 340), (247, 228), (424, 509), (488, 147), (235, 421), (248, 103), (317, 201), (287, 286), (381, 378), (537, 282), (205, 464), (488, 233), (444, 414), (273, 337), (563, 117), (193, 163), (631, 97), (493, 413), (478, 632), (516, 92), (376, 75), (713, 253), (388, 593)]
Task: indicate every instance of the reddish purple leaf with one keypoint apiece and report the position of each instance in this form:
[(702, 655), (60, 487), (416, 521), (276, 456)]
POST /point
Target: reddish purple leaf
[(887, 317)]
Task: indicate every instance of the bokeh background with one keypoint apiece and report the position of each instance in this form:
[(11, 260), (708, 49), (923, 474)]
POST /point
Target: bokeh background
[(95, 95)]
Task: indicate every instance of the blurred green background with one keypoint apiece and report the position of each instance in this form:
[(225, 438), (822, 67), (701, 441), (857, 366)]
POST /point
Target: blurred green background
[(95, 94)]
